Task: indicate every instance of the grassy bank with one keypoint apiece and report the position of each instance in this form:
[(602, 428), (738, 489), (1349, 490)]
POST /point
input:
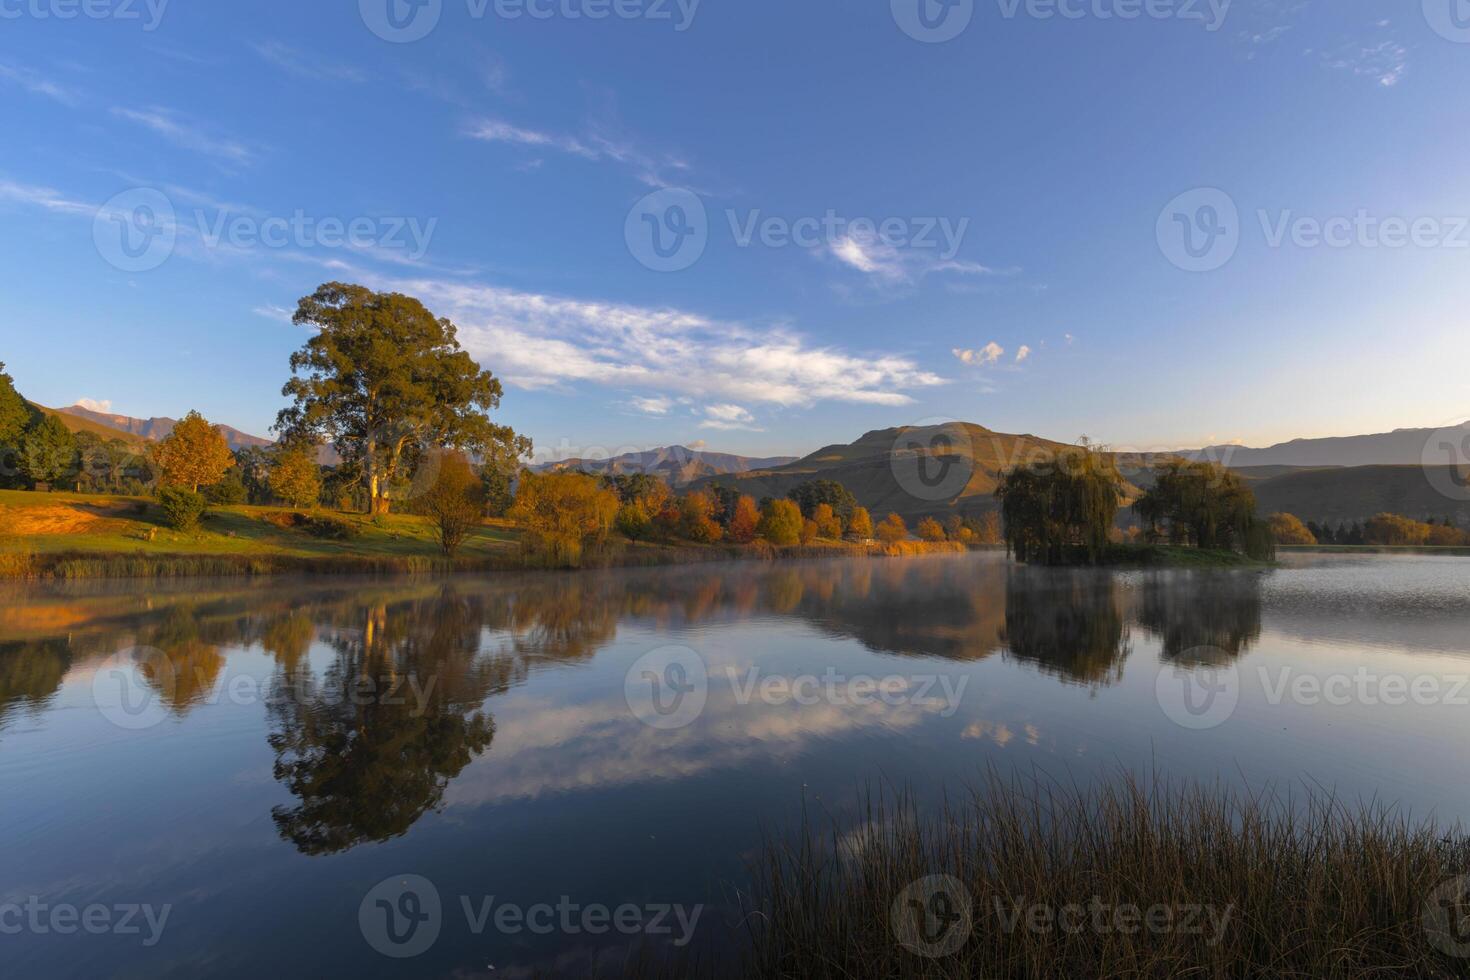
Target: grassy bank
[(1243, 885), (76, 536)]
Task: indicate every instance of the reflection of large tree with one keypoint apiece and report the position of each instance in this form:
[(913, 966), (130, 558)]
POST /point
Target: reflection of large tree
[(371, 745), (31, 674), (1067, 622), (1202, 617)]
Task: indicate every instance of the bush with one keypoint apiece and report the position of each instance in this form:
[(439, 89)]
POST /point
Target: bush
[(181, 508), (330, 528), (230, 490)]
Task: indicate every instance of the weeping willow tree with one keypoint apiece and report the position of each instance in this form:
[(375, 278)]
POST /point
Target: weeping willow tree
[(1206, 506), (1060, 510)]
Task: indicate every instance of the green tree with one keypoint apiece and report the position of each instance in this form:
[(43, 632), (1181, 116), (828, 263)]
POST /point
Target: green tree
[(781, 523), (814, 492), (497, 490), (1060, 509), (15, 416), (455, 502), (295, 478), (193, 455), (48, 451), (382, 379), (1204, 505)]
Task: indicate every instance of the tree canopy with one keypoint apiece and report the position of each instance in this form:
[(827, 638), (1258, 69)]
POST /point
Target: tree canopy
[(194, 454), (1060, 510), (1204, 505), (385, 380)]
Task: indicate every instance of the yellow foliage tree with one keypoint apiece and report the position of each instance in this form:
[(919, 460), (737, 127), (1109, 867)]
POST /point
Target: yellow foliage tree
[(893, 530), (931, 530), (861, 524), (1289, 529), (195, 454), (829, 525), (295, 478), (561, 512)]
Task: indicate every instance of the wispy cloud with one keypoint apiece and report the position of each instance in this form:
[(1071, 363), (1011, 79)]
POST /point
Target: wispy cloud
[(888, 265), (728, 418), (302, 65), (659, 405), (273, 312), (189, 136), (37, 84), (42, 197), (540, 341), (600, 143)]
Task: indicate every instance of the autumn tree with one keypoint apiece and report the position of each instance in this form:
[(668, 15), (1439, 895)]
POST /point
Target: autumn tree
[(829, 524), (697, 518), (781, 523), (861, 524), (892, 530), (1204, 505), (1288, 529), (562, 512), (987, 529), (931, 530), (385, 380), (455, 501), (48, 451), (809, 530), (743, 520), (194, 454), (1394, 529), (296, 478)]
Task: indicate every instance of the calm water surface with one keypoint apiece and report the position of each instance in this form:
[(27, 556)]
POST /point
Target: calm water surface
[(259, 758)]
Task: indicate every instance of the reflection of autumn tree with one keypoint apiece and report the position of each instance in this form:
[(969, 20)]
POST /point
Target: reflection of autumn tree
[(31, 674), (288, 637), (1202, 618), (1067, 622), (182, 665), (371, 745)]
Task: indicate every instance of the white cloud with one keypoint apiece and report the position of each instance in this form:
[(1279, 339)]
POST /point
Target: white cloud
[(37, 85), (989, 354), (1023, 353), (43, 197), (166, 124), (728, 417), (659, 405), (94, 405), (495, 131), (538, 341), (273, 312), (889, 265), (294, 62), (601, 142)]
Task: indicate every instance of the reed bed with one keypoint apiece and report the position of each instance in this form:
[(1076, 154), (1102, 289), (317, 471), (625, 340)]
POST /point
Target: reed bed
[(1190, 882)]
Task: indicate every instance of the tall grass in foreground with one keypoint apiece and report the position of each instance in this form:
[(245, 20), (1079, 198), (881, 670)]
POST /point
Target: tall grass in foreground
[(1270, 886)]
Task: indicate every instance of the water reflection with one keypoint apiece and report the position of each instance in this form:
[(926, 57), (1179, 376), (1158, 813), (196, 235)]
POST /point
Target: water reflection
[(377, 695)]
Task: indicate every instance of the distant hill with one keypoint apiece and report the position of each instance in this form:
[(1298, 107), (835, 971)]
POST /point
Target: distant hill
[(1401, 447), (76, 423), (932, 471), (153, 429), (677, 465), (1337, 494)]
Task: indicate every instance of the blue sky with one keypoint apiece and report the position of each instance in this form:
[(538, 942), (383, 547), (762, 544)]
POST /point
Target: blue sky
[(991, 227)]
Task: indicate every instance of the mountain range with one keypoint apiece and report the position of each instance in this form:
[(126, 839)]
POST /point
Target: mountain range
[(149, 430), (677, 465), (1401, 447)]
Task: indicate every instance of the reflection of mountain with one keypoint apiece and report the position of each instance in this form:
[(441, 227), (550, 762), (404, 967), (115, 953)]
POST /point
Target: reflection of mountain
[(1068, 622), (1201, 617)]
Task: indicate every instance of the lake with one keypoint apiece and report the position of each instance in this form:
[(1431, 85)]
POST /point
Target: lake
[(491, 776)]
